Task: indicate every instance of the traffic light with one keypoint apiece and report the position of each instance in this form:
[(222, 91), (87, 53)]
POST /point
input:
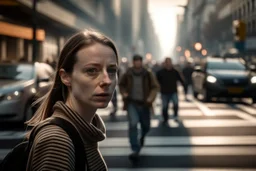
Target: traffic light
[(239, 29)]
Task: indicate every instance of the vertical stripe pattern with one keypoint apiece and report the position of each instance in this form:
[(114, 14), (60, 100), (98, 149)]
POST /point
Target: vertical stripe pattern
[(53, 149)]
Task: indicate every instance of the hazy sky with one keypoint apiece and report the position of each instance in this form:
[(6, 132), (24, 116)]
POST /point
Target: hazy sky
[(164, 15)]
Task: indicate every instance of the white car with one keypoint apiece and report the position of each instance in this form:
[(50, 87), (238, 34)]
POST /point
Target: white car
[(20, 85)]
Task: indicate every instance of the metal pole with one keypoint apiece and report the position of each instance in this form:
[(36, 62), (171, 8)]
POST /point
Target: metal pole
[(34, 52)]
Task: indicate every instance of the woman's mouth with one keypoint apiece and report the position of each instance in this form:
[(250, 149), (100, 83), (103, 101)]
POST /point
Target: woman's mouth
[(102, 97)]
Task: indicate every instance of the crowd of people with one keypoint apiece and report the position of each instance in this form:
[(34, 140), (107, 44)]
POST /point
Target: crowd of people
[(139, 86)]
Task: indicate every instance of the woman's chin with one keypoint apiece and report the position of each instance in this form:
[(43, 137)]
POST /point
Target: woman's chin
[(101, 105)]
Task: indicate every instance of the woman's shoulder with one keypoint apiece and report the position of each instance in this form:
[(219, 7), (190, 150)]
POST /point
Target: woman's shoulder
[(52, 148), (52, 135)]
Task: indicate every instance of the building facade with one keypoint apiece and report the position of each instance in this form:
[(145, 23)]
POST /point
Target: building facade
[(245, 10), (55, 21)]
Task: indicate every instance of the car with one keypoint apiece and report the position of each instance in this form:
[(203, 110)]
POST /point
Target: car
[(224, 77), (20, 85)]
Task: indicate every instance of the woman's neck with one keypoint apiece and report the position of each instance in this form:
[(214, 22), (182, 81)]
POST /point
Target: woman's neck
[(85, 111)]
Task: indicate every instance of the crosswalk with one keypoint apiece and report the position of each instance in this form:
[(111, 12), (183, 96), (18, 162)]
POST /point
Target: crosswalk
[(209, 137)]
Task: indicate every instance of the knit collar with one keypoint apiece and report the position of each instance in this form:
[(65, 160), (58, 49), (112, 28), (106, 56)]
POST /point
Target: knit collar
[(90, 132)]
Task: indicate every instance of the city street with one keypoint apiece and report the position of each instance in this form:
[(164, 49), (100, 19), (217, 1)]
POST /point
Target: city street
[(210, 136)]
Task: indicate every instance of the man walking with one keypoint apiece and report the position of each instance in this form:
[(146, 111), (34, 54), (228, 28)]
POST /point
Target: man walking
[(187, 73), (138, 88), (168, 78)]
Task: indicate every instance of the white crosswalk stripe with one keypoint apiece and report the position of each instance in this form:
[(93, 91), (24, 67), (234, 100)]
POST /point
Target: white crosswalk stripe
[(203, 145), (193, 115)]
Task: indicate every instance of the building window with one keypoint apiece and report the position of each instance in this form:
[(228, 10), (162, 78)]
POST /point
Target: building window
[(253, 26), (248, 8), (249, 27), (244, 10), (253, 5)]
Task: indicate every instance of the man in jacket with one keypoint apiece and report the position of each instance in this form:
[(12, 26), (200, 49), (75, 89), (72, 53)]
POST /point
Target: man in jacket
[(138, 88), (168, 78)]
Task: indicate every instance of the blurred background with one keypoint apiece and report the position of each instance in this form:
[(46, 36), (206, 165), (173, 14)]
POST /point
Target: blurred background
[(217, 38)]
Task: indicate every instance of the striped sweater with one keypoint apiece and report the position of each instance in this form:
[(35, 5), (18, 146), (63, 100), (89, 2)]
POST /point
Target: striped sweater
[(53, 149)]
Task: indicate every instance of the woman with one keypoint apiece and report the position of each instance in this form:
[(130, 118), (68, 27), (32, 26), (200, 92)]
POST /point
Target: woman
[(85, 80)]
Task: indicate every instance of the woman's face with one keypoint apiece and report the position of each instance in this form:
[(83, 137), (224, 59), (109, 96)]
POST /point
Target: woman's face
[(94, 76)]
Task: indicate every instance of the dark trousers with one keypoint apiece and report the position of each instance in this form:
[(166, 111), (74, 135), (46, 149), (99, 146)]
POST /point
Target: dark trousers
[(137, 114), (114, 103), (166, 98)]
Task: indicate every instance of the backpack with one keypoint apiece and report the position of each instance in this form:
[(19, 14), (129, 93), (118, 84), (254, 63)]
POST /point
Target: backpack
[(16, 160)]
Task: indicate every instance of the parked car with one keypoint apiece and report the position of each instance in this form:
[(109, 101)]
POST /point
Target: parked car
[(224, 77), (20, 85)]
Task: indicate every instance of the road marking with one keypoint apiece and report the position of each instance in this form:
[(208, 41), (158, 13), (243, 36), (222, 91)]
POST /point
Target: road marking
[(172, 151), (182, 151), (206, 111), (9, 135), (196, 123), (176, 140), (247, 109)]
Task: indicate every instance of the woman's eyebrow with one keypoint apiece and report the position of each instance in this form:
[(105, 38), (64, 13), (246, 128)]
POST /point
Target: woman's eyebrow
[(94, 64)]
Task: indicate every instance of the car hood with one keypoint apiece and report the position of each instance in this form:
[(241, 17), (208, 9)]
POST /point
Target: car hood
[(222, 74), (7, 86)]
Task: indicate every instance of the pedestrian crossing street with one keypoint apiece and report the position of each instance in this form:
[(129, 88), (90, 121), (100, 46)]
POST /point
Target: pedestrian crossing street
[(208, 137)]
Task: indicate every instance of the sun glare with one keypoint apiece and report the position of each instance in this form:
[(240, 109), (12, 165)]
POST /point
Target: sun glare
[(165, 24), (164, 16)]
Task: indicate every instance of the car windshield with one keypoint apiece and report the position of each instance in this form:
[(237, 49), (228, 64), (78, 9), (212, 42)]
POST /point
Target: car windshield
[(226, 66), (16, 72)]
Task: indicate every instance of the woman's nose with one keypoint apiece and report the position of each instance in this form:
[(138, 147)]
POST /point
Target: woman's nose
[(106, 80)]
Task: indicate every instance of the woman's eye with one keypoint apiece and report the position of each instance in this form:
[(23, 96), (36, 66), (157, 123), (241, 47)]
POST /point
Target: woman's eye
[(92, 71), (112, 71)]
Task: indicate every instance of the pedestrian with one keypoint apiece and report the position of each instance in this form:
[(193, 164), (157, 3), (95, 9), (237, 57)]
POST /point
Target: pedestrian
[(85, 80), (168, 78), (187, 73), (138, 87), (114, 104)]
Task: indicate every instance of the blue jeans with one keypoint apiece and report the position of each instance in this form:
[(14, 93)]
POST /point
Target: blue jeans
[(166, 98), (137, 114)]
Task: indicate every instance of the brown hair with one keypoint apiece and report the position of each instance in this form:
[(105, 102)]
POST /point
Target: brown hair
[(67, 59)]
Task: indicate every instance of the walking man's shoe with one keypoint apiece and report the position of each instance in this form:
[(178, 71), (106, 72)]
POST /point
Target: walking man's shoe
[(134, 156), (142, 139)]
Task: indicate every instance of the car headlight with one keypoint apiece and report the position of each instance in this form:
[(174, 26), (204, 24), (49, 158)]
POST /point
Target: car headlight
[(253, 80), (211, 79), (13, 95)]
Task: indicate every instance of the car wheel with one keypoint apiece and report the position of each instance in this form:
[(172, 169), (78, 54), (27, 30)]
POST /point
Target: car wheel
[(195, 94), (28, 113), (207, 97)]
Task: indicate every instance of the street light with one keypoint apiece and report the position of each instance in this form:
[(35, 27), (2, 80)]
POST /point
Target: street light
[(198, 46), (204, 52)]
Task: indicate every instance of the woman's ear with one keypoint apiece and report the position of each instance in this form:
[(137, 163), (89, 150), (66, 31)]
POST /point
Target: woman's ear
[(65, 77)]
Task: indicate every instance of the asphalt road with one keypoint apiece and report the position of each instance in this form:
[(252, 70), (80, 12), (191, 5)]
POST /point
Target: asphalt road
[(213, 136)]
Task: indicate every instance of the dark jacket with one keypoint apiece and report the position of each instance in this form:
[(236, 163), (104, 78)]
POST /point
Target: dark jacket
[(150, 86), (168, 80), (187, 72)]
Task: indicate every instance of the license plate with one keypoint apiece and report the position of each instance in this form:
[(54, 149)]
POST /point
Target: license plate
[(235, 90)]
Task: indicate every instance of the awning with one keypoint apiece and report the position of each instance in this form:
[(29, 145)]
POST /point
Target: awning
[(12, 30)]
